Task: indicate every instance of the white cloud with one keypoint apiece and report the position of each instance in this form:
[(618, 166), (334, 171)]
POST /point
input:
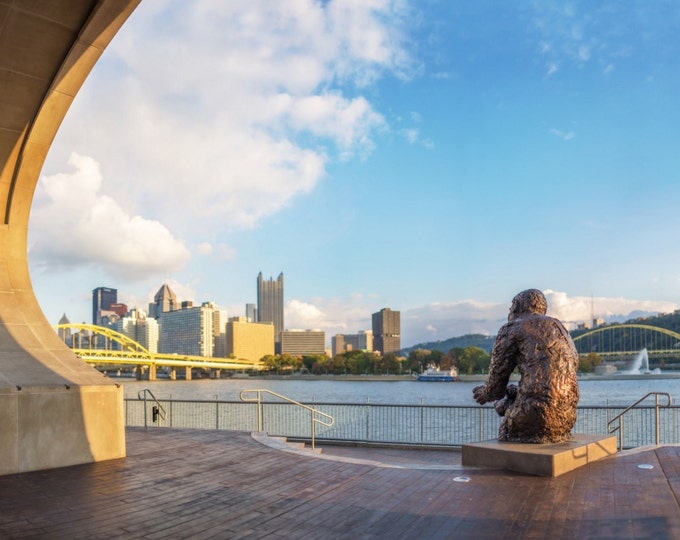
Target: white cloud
[(204, 248), (443, 320), (74, 224), (411, 135), (209, 105), (578, 309), (564, 135), (552, 68), (302, 315)]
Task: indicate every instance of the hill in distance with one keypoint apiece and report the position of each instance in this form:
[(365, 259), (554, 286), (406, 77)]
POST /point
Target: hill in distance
[(469, 340), (670, 321)]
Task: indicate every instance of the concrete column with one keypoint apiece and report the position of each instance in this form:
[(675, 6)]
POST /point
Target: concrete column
[(152, 372), (187, 371), (173, 374), (55, 410)]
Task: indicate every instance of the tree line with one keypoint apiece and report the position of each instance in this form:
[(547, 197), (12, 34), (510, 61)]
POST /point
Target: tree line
[(467, 360)]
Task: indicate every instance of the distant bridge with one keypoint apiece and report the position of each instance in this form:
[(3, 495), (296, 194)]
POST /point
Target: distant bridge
[(622, 340), (106, 347)]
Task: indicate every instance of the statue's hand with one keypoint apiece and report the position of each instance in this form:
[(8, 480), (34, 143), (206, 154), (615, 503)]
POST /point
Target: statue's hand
[(478, 392)]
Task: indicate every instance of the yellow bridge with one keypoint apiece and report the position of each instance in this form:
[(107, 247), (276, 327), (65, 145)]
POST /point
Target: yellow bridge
[(621, 340), (106, 347)]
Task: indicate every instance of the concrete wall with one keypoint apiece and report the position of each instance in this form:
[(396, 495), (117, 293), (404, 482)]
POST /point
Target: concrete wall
[(54, 409)]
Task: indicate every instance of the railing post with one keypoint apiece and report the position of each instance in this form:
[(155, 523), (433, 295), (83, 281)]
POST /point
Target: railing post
[(481, 424), (656, 411), (367, 416), (145, 414), (422, 427), (313, 428), (259, 411)]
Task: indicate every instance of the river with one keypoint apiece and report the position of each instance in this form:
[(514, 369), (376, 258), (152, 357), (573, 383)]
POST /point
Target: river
[(594, 392)]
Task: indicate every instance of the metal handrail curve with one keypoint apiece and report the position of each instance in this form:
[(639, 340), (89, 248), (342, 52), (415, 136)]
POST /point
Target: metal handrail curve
[(619, 416), (160, 410), (328, 422)]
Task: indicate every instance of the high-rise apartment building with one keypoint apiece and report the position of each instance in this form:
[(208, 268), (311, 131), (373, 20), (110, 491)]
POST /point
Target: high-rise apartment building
[(302, 342), (363, 341), (248, 340), (141, 328), (270, 305), (386, 331), (219, 332), (187, 331), (102, 298)]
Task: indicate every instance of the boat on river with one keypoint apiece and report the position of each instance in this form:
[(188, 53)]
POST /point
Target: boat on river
[(434, 374)]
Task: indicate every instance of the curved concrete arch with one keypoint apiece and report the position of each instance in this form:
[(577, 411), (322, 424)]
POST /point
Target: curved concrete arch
[(54, 409)]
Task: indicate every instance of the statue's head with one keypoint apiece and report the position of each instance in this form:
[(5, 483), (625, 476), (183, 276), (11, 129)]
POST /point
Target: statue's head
[(528, 302)]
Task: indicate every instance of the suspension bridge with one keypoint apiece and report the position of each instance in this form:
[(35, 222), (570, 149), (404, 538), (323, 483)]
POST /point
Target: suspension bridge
[(108, 349), (621, 341)]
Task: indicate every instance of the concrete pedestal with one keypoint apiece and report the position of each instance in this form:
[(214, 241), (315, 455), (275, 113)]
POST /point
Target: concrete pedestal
[(539, 459)]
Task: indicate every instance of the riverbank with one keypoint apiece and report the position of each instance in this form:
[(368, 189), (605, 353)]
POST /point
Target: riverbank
[(463, 378), (300, 377)]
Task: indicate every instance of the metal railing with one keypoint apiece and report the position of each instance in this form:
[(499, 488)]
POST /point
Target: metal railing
[(411, 425), (619, 417), (157, 410), (317, 417)]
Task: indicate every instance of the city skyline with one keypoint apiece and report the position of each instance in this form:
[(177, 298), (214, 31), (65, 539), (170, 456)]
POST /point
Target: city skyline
[(433, 157)]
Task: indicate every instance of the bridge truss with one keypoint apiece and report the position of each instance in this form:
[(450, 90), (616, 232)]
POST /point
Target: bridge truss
[(622, 340), (106, 347)]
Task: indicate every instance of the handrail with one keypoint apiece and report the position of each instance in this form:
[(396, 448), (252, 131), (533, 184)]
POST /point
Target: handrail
[(157, 409), (619, 416), (258, 399)]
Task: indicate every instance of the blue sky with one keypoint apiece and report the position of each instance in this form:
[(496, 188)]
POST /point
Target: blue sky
[(435, 157)]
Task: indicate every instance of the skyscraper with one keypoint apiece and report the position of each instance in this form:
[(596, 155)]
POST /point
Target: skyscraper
[(164, 301), (270, 305), (102, 298), (387, 331)]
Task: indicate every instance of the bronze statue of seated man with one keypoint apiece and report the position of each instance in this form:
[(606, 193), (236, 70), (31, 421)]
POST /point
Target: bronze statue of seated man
[(542, 408)]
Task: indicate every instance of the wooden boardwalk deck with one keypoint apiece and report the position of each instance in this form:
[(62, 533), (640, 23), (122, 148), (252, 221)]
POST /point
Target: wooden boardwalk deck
[(218, 484)]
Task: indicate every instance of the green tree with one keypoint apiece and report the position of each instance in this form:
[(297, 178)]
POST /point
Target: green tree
[(470, 360), (589, 362), (418, 359), (359, 362), (321, 366), (308, 360), (272, 362)]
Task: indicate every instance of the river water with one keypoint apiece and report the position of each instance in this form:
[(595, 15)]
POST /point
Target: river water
[(594, 392)]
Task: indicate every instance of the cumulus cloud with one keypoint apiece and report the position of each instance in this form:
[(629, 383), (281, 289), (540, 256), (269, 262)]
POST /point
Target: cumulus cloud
[(564, 135), (443, 320), (233, 109), (411, 135), (74, 224), (580, 309)]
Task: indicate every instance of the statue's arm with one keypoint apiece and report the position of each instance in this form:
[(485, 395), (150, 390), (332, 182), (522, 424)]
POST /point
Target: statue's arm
[(503, 362)]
